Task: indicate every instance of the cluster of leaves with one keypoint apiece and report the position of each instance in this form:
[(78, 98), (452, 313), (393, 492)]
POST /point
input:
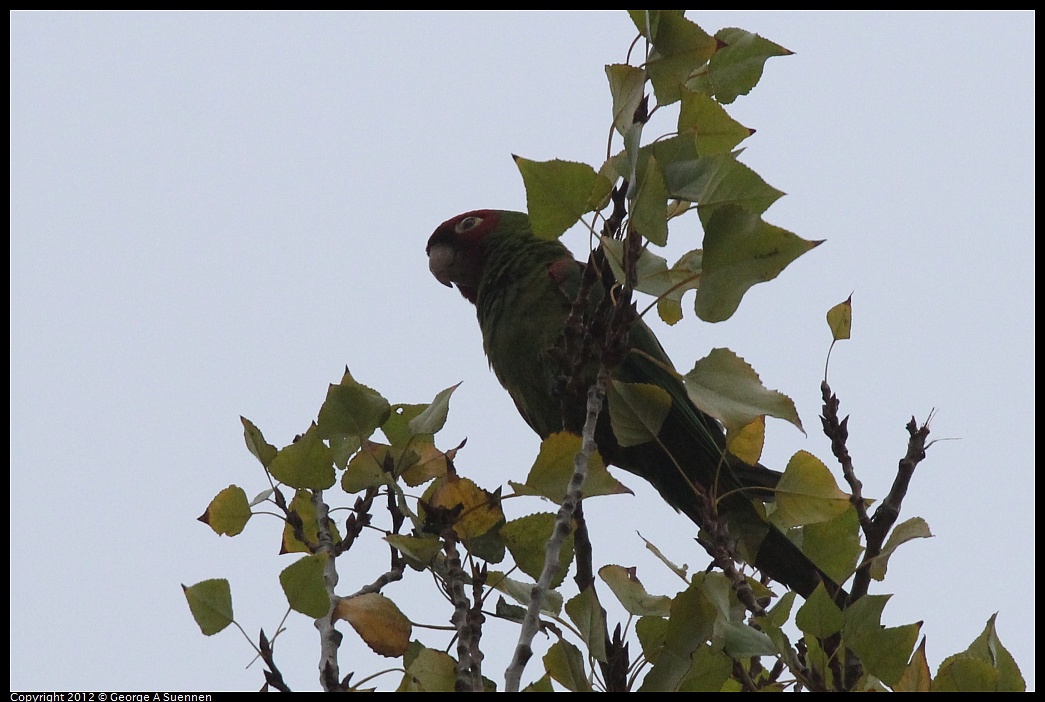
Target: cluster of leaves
[(712, 635)]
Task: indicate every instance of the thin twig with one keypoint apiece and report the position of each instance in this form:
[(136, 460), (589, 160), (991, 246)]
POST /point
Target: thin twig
[(563, 523)]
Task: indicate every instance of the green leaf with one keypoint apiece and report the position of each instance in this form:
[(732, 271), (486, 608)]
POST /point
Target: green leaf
[(807, 493), (736, 68), (986, 666), (653, 276), (557, 194), (543, 684), (256, 444), (741, 250), (709, 671), (819, 616), (883, 651), (723, 385), (432, 419), (377, 620), (649, 211), (731, 631), (627, 84), (637, 411), (913, 528), (306, 463), (429, 671), (552, 471), (840, 319), (228, 512), (834, 545), (526, 539), (651, 632), (349, 415), (965, 674), (520, 592), (586, 613), (420, 550), (565, 664), (690, 625), (210, 602), (397, 427), (712, 127), (366, 469), (303, 585), (680, 47), (714, 182), (630, 592)]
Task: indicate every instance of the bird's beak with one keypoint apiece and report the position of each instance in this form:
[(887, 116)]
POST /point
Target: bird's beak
[(441, 263)]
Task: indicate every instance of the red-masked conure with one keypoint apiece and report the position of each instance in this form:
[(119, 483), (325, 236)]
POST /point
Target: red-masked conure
[(523, 288)]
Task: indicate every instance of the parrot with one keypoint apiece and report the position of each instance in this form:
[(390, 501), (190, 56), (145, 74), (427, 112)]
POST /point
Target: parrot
[(523, 288)]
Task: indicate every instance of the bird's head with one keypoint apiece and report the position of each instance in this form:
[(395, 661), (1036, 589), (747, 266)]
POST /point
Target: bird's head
[(456, 253)]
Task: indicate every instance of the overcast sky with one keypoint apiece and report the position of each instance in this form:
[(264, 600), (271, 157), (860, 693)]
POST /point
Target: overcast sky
[(212, 214)]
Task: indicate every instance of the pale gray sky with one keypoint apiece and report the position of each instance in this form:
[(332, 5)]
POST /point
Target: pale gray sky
[(212, 214)]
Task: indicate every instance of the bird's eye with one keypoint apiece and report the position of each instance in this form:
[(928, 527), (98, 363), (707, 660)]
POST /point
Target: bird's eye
[(467, 223)]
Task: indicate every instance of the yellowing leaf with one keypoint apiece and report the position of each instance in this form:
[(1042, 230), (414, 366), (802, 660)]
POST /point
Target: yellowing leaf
[(723, 385), (430, 462), (553, 469), (746, 443), (631, 593), (626, 87), (840, 319), (480, 511), (256, 444), (807, 492), (303, 506), (377, 620), (228, 512), (917, 677)]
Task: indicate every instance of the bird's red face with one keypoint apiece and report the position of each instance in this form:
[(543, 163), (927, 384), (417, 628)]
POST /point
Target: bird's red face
[(455, 252)]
